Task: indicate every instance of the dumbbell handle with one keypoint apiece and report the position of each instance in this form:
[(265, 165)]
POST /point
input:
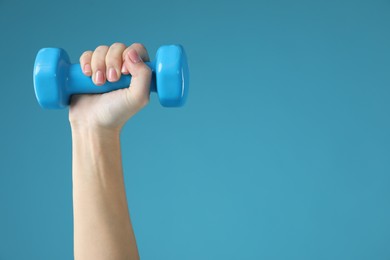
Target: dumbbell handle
[(79, 83)]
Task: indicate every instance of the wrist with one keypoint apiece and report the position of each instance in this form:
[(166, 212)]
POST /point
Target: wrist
[(95, 140), (94, 150), (94, 131)]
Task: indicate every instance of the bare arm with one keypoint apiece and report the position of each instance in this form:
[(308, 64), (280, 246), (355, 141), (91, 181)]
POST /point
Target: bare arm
[(101, 220), (102, 226)]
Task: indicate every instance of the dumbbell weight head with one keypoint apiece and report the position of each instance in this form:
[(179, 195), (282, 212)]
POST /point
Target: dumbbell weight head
[(172, 75), (56, 79), (50, 75)]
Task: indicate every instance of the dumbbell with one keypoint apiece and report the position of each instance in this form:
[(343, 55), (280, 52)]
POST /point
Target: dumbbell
[(56, 79)]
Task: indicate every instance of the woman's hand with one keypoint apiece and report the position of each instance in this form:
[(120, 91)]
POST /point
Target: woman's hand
[(102, 226), (112, 110)]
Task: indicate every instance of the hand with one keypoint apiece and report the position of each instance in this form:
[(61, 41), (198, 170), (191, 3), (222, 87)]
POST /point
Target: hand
[(111, 110)]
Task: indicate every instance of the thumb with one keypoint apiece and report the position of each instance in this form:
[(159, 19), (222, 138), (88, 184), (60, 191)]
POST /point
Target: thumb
[(141, 75)]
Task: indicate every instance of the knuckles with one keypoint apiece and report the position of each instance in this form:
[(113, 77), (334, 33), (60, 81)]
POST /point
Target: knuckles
[(145, 71), (102, 57), (86, 56), (138, 46), (141, 50), (101, 49), (118, 45)]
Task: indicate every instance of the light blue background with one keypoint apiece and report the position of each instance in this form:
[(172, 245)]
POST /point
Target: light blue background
[(282, 151)]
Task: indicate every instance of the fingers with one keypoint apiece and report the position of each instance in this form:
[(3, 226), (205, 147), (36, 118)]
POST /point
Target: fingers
[(139, 91), (108, 63), (98, 64), (85, 63), (114, 61), (141, 50)]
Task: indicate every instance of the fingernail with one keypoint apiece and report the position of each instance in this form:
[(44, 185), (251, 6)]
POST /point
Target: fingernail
[(87, 68), (123, 70), (99, 77), (112, 74), (133, 56)]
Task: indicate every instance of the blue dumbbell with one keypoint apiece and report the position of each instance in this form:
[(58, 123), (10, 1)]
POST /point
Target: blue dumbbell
[(56, 79)]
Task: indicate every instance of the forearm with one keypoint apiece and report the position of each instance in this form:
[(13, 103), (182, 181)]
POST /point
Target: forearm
[(102, 227)]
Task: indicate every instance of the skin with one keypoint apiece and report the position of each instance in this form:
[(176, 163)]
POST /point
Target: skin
[(102, 225)]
